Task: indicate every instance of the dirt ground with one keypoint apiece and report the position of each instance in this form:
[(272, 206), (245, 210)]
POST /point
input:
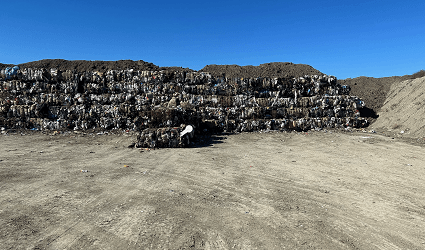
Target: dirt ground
[(245, 191)]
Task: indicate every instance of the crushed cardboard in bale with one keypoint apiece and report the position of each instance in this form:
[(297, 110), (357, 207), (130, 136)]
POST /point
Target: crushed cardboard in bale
[(164, 105)]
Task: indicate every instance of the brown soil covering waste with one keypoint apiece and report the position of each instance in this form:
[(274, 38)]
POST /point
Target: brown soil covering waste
[(274, 69)]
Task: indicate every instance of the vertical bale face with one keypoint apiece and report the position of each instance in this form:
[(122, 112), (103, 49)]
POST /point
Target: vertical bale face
[(124, 99)]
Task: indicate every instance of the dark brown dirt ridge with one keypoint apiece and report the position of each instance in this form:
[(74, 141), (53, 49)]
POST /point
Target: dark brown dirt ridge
[(275, 69), (82, 65)]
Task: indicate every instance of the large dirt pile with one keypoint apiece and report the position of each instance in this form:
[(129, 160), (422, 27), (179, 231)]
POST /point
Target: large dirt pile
[(403, 111), (82, 65), (373, 91), (275, 69), (2, 65)]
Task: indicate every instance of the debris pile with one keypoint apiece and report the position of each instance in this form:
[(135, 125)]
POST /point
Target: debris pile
[(161, 104)]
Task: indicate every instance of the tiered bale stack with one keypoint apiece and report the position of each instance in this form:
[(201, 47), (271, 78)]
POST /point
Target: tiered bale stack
[(160, 104)]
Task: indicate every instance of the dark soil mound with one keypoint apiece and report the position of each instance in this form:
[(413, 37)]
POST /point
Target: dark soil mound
[(373, 91), (177, 69), (81, 65), (275, 69), (2, 66)]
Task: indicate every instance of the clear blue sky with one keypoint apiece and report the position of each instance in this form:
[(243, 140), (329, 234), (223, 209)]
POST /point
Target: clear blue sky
[(337, 37)]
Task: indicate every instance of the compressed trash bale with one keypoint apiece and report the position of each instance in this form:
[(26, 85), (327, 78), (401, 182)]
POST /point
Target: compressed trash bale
[(128, 99), (165, 137)]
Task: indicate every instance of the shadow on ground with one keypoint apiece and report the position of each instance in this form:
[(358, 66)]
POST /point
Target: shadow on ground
[(208, 140), (368, 112)]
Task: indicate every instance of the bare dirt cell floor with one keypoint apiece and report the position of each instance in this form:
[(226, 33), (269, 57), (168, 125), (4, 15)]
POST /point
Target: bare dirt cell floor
[(246, 191)]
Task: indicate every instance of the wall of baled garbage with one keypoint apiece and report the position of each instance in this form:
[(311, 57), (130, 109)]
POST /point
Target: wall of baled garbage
[(139, 100)]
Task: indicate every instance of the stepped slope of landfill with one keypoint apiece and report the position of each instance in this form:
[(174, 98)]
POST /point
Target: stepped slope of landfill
[(372, 91), (167, 105)]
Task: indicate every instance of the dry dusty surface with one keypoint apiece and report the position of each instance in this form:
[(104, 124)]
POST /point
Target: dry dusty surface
[(246, 191)]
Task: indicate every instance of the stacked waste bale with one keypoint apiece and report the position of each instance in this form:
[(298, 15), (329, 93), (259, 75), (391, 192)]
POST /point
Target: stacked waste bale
[(161, 104), (171, 137)]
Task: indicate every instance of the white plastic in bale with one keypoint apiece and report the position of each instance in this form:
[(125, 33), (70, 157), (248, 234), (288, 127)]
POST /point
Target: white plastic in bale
[(187, 130)]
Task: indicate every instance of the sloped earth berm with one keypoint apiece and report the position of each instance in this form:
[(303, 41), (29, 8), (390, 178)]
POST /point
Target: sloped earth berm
[(403, 112), (374, 91), (246, 191)]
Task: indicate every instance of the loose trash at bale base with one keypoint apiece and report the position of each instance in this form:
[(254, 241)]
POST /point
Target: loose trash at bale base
[(170, 108)]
